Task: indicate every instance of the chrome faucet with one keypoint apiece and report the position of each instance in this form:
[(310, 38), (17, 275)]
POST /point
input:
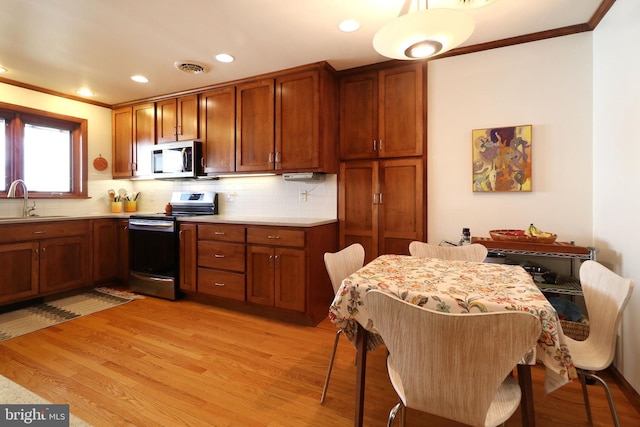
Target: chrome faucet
[(12, 194)]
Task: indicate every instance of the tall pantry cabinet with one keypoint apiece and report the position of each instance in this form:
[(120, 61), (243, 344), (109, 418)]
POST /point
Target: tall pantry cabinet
[(382, 182)]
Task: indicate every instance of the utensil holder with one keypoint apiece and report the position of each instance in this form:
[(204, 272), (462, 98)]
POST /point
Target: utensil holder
[(116, 207), (130, 206)]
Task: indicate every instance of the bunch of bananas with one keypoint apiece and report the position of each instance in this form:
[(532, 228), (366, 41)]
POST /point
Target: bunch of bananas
[(534, 231)]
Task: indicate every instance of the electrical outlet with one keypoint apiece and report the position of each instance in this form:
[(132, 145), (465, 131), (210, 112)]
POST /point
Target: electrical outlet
[(303, 196)]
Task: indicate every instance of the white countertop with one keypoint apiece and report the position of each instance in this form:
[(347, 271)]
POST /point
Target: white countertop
[(219, 219)]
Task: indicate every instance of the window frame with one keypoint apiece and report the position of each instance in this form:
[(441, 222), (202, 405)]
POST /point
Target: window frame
[(15, 117)]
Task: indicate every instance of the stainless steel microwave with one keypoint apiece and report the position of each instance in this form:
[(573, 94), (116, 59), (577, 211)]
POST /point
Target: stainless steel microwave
[(183, 159)]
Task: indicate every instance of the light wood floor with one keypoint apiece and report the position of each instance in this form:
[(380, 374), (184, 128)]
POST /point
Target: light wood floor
[(153, 362)]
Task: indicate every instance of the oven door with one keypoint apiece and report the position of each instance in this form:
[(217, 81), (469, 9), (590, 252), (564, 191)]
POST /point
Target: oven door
[(153, 257)]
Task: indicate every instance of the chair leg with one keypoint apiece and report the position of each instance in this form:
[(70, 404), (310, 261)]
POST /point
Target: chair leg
[(585, 395), (333, 356), (394, 411), (612, 405)]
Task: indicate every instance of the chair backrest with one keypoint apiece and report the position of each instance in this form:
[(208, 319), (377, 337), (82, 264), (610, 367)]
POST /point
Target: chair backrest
[(474, 252), (451, 365), (343, 263), (605, 294)]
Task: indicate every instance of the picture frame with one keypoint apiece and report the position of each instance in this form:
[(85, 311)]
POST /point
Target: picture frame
[(502, 159)]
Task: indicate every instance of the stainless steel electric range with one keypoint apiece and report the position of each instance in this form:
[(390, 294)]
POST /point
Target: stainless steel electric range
[(154, 244)]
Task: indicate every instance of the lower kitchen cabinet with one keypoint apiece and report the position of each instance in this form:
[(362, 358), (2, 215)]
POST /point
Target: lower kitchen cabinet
[(122, 250), (104, 250), (221, 261), (38, 259), (19, 271), (276, 277), (188, 250), (273, 271)]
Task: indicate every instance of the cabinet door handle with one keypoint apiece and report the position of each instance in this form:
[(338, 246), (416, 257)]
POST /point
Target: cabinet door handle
[(37, 254), (218, 284), (277, 157), (273, 237), (270, 157), (375, 145), (380, 145), (375, 198), (43, 252), (380, 198), (218, 256)]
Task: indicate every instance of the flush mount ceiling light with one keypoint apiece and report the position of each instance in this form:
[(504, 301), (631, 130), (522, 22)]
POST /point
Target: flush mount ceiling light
[(349, 25), (461, 4), (84, 92), (139, 79), (190, 67), (424, 33), (225, 57)]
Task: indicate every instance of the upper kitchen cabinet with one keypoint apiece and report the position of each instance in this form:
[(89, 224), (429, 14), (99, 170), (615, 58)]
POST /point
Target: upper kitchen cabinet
[(218, 129), (177, 119), (382, 113), (133, 138), (255, 124), (306, 122), (288, 123)]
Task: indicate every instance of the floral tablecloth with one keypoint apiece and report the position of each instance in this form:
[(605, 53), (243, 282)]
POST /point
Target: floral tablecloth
[(455, 287)]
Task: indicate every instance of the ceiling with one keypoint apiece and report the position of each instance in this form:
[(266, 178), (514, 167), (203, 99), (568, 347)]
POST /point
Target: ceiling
[(65, 45)]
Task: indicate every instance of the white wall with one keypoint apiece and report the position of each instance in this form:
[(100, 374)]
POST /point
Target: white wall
[(547, 84), (616, 172)]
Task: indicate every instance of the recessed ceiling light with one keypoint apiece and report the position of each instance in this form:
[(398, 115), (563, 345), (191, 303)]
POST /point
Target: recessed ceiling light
[(349, 25), (84, 92), (225, 57), (140, 79), (3, 70)]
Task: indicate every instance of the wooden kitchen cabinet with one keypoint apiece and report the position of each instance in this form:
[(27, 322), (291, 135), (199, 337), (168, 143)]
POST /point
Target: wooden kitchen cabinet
[(19, 271), (306, 122), (218, 129), (221, 261), (122, 250), (188, 253), (382, 205), (133, 130), (104, 234), (255, 124), (177, 119), (382, 113), (43, 258), (288, 123)]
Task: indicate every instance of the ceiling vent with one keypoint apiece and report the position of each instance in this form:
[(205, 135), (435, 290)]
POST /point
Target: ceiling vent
[(190, 67)]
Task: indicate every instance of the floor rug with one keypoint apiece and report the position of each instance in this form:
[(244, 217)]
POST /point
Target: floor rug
[(30, 319), (14, 394)]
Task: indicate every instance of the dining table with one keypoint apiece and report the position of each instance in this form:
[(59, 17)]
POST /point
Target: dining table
[(453, 287)]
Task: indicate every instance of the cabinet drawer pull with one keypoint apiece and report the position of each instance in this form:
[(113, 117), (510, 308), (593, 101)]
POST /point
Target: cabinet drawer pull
[(40, 232), (273, 237), (218, 284), (219, 256), (219, 233)]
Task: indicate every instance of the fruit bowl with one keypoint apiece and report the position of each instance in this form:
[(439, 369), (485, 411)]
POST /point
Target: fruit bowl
[(520, 236)]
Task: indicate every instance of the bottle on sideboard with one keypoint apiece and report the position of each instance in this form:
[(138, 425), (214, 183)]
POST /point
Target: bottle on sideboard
[(465, 237)]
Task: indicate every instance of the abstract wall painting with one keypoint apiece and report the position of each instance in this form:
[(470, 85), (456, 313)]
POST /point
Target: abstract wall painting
[(502, 159)]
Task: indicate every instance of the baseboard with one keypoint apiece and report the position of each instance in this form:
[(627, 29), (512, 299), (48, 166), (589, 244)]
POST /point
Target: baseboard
[(629, 392)]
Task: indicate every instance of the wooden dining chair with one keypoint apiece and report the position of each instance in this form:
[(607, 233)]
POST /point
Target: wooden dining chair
[(474, 252), (605, 295), (455, 366), (340, 265)]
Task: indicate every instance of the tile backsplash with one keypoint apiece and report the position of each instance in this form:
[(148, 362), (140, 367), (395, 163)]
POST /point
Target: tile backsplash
[(242, 196)]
